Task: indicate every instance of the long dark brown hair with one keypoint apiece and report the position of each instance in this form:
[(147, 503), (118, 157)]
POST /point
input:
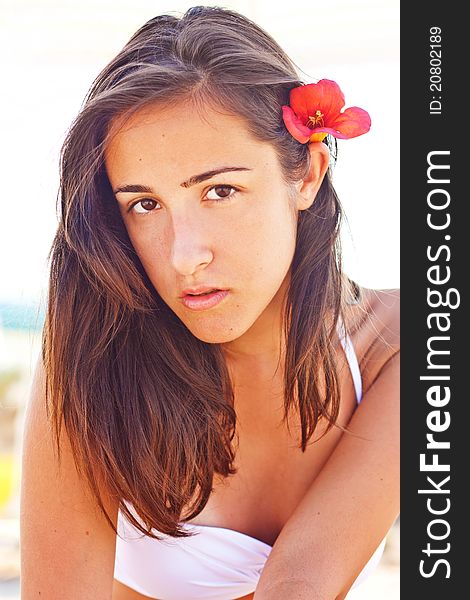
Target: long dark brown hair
[(147, 406)]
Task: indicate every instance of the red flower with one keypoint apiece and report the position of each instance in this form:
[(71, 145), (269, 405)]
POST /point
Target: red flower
[(315, 111)]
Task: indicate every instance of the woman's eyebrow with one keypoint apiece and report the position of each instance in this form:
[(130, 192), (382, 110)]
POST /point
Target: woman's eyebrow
[(208, 174), (135, 188)]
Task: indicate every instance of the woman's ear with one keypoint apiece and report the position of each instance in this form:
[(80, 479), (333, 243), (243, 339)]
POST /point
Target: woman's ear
[(309, 186)]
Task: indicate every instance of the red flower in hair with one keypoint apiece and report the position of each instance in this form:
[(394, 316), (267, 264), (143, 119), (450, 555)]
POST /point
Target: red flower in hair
[(315, 111)]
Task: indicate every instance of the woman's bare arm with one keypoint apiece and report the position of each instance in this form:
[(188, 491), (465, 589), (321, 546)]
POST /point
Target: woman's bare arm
[(67, 546), (349, 508)]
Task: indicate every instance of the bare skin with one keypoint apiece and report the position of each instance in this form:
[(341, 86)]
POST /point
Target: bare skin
[(234, 230), (244, 241), (267, 453), (355, 487)]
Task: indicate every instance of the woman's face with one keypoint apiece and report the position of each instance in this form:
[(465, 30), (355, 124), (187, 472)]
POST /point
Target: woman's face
[(192, 225)]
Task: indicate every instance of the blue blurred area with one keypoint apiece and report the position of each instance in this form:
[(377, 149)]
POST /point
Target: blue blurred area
[(25, 317)]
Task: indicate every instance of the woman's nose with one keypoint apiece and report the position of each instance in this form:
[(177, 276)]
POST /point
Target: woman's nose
[(191, 246)]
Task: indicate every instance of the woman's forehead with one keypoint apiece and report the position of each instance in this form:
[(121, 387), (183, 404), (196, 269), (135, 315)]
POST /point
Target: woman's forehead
[(181, 134), (181, 118)]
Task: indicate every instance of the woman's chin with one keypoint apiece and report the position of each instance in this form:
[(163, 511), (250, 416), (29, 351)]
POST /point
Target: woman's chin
[(215, 337), (215, 333)]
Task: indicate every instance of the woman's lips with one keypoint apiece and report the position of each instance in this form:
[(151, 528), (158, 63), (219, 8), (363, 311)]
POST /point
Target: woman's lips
[(204, 301)]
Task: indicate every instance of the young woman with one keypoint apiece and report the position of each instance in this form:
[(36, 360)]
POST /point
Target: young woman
[(212, 388)]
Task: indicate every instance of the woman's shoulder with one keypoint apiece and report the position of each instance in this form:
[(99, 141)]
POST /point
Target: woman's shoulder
[(374, 325)]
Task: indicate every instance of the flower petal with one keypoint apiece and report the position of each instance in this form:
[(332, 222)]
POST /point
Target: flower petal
[(325, 96), (324, 130), (318, 137), (352, 122), (294, 125)]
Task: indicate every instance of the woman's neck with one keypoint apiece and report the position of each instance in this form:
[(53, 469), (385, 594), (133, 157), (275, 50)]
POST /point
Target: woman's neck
[(264, 341)]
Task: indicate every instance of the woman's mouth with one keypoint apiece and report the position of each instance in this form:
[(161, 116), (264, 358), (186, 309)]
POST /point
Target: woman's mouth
[(204, 300)]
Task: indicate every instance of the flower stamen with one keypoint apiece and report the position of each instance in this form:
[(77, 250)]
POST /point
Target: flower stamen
[(316, 120)]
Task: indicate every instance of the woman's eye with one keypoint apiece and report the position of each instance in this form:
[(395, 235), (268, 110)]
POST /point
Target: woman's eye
[(143, 206), (217, 192), (221, 192)]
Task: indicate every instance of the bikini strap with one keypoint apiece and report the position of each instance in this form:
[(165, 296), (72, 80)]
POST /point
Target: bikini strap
[(351, 357)]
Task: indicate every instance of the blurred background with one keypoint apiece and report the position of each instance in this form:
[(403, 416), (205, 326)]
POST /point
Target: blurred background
[(50, 51)]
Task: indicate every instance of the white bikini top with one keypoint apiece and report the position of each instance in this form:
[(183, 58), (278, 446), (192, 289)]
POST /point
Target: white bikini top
[(217, 563)]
